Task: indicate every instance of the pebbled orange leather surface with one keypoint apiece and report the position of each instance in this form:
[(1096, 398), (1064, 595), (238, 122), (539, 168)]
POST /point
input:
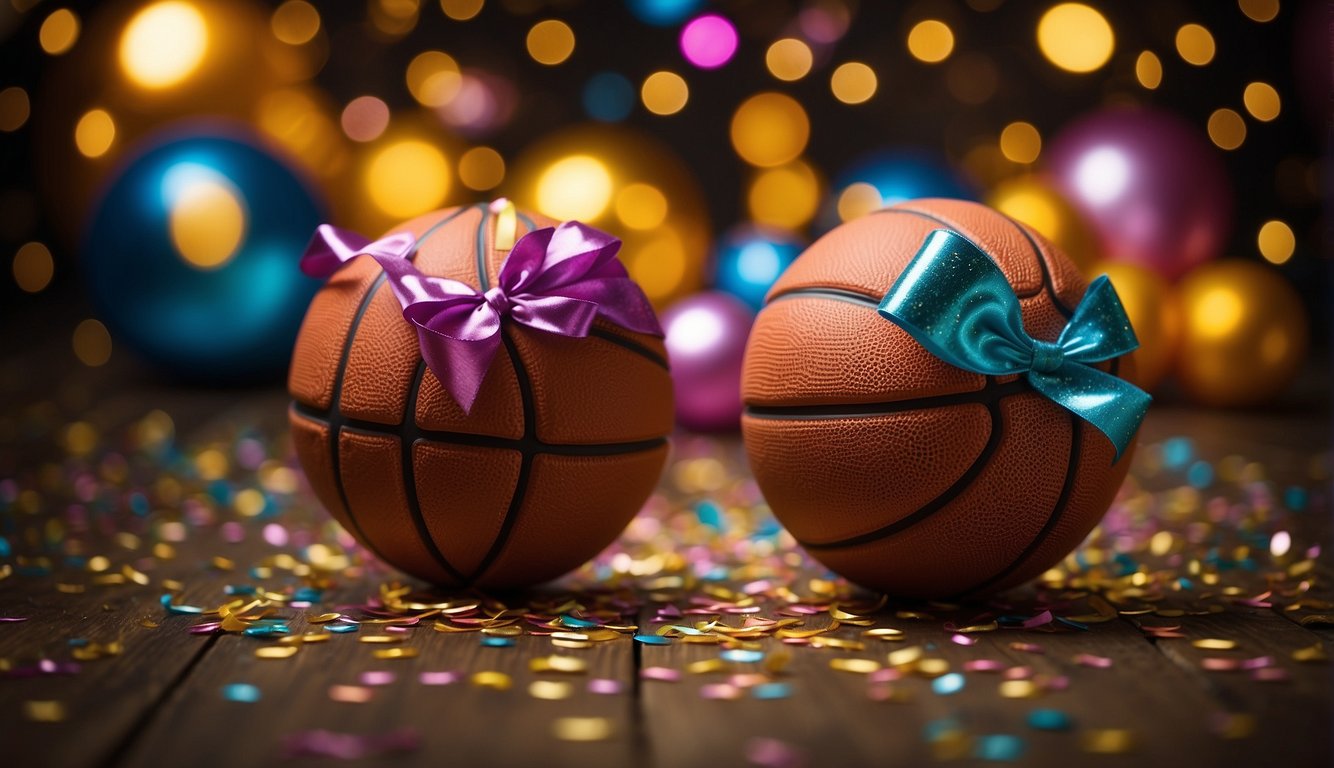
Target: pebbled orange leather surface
[(464, 517), (832, 478)]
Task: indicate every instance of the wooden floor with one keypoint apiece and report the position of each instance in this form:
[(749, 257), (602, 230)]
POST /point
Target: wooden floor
[(105, 520)]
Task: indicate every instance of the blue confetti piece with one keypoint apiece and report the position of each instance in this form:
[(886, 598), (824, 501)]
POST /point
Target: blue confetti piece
[(710, 513), (239, 589), (5, 550), (947, 684), (242, 692), (653, 640), (1049, 720), (78, 642), (1072, 623), (341, 629), (139, 504), (742, 656), (1294, 498), (1001, 747), (1200, 475), (937, 730), (1177, 452), (308, 594), (490, 641), (267, 630), (577, 623), (767, 691)]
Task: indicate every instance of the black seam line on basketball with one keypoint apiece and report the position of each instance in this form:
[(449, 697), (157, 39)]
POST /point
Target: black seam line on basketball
[(1053, 519), (826, 292), (408, 448), (334, 415), (525, 464), (987, 395), (936, 504), (410, 432), (954, 229), (1047, 284)]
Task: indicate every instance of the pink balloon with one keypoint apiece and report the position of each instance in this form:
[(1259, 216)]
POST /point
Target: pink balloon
[(1149, 183), (706, 340)]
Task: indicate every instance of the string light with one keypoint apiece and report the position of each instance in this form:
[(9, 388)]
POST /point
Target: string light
[(708, 41), (295, 22), (407, 178), (853, 83), (461, 10), (1195, 44), (575, 187), (664, 93), (1020, 142), (59, 31), (1149, 70), (1276, 242), (1259, 10), (14, 108), (550, 42), (857, 200), (433, 78), (1226, 128), (94, 133), (641, 206), (92, 343), (788, 59), (206, 217), (163, 44), (365, 118), (787, 196), (33, 267), (930, 41), (770, 129), (481, 168), (1262, 101), (1075, 37)]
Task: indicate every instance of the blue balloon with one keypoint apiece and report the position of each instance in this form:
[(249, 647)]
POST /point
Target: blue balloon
[(663, 13), (749, 259), (899, 175), (191, 256)]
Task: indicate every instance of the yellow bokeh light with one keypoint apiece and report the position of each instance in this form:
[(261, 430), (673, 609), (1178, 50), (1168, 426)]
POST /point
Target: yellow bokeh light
[(641, 206), (1020, 142), (664, 93), (575, 187), (481, 168), (407, 178), (858, 199), (94, 133), (1218, 313), (1034, 209), (788, 59), (59, 31), (14, 108), (770, 129), (1276, 242), (92, 343), (1226, 128), (550, 42), (434, 78), (659, 265), (295, 22), (930, 41), (207, 222), (1195, 44), (1262, 101), (394, 18), (1075, 37), (163, 44), (787, 196), (33, 267), (853, 83), (1259, 10), (1149, 70), (461, 10)]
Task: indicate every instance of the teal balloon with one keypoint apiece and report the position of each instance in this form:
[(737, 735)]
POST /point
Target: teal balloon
[(748, 260), (900, 175), (234, 322), (663, 13)]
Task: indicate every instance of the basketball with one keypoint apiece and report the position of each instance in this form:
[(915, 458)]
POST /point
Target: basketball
[(561, 446), (894, 468)]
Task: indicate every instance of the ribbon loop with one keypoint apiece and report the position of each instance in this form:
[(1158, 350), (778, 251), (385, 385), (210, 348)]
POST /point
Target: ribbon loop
[(956, 302), (556, 280)]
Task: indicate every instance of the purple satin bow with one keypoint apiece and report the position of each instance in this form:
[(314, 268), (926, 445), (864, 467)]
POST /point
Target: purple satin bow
[(555, 280)]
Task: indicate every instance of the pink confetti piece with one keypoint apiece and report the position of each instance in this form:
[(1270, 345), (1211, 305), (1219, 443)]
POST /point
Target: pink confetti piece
[(747, 680), (349, 746), (604, 686), (1259, 662), (719, 691), (959, 639), (447, 677), (12, 619), (1270, 675), (1057, 683), (660, 674), (884, 675), (1042, 619), (377, 677), (1018, 673), (983, 665), (1218, 664), (1089, 660), (1027, 647), (773, 753)]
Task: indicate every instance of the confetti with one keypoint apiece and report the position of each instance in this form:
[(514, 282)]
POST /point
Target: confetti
[(653, 640), (604, 686), (1107, 741), (1049, 720), (351, 694), (44, 711), (376, 677), (999, 748), (350, 746), (856, 666), (582, 728), (660, 674), (438, 678), (948, 684), (1090, 660), (497, 681), (1018, 689), (1215, 644), (1311, 654), (769, 691), (241, 692), (550, 690), (773, 753), (276, 652), (557, 663), (719, 691), (396, 653)]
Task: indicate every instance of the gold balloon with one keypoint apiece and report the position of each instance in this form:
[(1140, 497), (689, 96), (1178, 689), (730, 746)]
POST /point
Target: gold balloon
[(1035, 203), (629, 185), (1244, 333), (1152, 306)]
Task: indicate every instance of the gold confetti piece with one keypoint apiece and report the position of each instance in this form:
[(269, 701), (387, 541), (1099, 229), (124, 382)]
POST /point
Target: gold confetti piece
[(1107, 741), (777, 661), (577, 644), (932, 667), (1311, 654), (1215, 644), (706, 666), (574, 636), (558, 663), (503, 631), (441, 626), (917, 615), (581, 728), (1170, 612), (550, 690), (396, 653), (799, 633), (138, 577), (498, 681), (351, 694), (44, 711), (506, 227), (1235, 725), (277, 651), (148, 623), (223, 564), (323, 618), (885, 633), (1018, 689), (1317, 620), (856, 666), (973, 628), (704, 639), (109, 579), (905, 656), (70, 589), (383, 639)]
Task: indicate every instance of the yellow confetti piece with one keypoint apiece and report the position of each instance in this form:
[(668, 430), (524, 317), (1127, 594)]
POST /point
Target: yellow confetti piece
[(498, 681), (706, 666), (1215, 644), (581, 728), (932, 667), (1107, 741), (1311, 654), (550, 690), (323, 618), (382, 639), (1018, 689), (905, 656), (885, 633), (835, 642), (1236, 726), (573, 636), (576, 644), (396, 653), (503, 631), (777, 661), (558, 663), (351, 694), (856, 666), (223, 564), (44, 711), (147, 623), (71, 589), (276, 651)]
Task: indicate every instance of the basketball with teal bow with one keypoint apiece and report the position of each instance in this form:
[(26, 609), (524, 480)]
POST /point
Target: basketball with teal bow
[(935, 400)]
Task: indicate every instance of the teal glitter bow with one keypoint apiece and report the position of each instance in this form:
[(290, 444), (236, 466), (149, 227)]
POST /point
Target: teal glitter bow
[(956, 302)]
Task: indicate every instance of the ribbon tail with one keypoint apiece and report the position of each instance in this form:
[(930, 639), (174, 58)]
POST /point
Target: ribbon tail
[(1113, 405), (460, 365), (1099, 329)]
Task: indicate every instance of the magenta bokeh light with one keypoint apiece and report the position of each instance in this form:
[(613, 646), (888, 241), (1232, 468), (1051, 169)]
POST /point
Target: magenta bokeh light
[(708, 41)]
